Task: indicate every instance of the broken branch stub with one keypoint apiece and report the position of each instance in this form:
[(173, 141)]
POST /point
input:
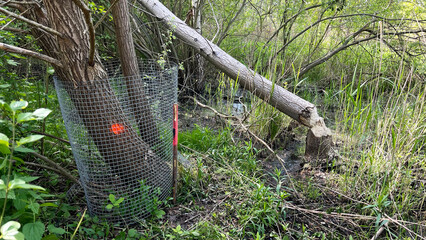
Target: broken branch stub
[(278, 97)]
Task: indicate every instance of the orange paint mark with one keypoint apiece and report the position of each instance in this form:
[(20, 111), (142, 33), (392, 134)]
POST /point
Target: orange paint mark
[(117, 128)]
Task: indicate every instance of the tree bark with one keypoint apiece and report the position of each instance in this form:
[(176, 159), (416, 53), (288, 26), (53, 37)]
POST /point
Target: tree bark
[(198, 60), (283, 100)]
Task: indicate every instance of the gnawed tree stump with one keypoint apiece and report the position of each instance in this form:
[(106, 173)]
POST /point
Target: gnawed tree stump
[(318, 142)]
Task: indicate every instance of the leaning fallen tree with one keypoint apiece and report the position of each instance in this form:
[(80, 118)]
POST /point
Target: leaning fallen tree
[(318, 141)]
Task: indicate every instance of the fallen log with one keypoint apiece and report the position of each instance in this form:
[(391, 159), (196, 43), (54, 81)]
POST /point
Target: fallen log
[(318, 141)]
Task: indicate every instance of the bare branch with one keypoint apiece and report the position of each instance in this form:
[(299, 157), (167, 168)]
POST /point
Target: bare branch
[(225, 32), (105, 14), (19, 2), (56, 166), (11, 29), (88, 18), (51, 136), (11, 21), (375, 17), (290, 19), (13, 49), (331, 54), (31, 22)]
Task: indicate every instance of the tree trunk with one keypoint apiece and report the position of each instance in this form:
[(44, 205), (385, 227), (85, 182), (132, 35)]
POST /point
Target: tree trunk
[(198, 60), (99, 110), (283, 100), (129, 66)]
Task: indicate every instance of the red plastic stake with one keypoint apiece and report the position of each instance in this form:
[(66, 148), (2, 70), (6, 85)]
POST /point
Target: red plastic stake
[(175, 153)]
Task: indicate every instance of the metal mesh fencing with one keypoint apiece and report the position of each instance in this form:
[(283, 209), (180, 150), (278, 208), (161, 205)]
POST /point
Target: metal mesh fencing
[(121, 132)]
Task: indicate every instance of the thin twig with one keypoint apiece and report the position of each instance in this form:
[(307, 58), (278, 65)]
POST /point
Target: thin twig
[(11, 21), (105, 14), (88, 19), (51, 169), (31, 22), (399, 223), (51, 136), (63, 171), (14, 49), (21, 2), (381, 229)]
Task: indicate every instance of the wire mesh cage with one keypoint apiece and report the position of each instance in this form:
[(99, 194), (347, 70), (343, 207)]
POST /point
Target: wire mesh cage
[(121, 132)]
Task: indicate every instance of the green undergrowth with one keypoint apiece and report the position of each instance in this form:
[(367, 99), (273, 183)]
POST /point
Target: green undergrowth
[(384, 138), (377, 178)]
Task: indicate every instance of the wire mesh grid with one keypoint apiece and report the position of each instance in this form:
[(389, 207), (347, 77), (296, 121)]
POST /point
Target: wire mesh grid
[(121, 132)]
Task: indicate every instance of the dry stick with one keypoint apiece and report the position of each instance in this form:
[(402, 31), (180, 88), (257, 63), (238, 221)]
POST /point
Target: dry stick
[(31, 22), (22, 3), (63, 171), (11, 21), (380, 231), (354, 216), (51, 169), (13, 49), (256, 137), (398, 222), (88, 19), (12, 29), (51, 136)]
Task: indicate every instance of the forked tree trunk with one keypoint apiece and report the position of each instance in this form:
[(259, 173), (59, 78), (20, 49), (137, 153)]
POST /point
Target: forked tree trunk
[(319, 137), (129, 66), (100, 108)]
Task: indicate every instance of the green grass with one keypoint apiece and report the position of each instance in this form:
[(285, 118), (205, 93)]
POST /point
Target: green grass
[(377, 180)]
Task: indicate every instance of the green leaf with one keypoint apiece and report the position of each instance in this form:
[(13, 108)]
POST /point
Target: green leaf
[(4, 149), (29, 139), (12, 62), (4, 140), (34, 207), (112, 197), (33, 231), (119, 201), (41, 113), (5, 85), (19, 183), (17, 56), (2, 185), (50, 237), (23, 117), (24, 150), (18, 105), (132, 233), (50, 70), (11, 195), (55, 230), (10, 231), (109, 206), (3, 164), (48, 204), (28, 178), (159, 213), (20, 202), (5, 105)]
